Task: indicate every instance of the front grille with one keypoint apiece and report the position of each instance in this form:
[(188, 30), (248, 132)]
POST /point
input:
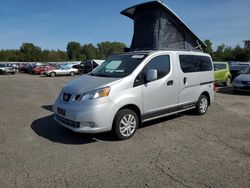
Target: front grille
[(245, 82), (68, 122), (245, 87)]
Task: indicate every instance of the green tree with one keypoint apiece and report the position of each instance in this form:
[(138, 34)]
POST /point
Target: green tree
[(30, 52), (88, 51), (73, 50), (219, 54), (240, 54), (107, 48), (209, 48)]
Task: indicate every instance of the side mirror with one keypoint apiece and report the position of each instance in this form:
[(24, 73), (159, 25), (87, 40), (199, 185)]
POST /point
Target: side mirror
[(215, 69), (151, 75)]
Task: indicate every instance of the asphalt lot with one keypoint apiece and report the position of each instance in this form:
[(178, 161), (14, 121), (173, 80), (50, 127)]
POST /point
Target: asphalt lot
[(178, 151)]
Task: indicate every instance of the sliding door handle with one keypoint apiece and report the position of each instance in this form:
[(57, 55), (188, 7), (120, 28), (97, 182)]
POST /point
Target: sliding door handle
[(170, 82), (185, 80)]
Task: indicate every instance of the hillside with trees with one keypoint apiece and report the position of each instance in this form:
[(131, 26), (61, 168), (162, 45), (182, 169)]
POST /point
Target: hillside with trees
[(29, 52), (227, 53)]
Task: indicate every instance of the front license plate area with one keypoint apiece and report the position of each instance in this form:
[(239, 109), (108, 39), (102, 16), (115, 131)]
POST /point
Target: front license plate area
[(61, 111)]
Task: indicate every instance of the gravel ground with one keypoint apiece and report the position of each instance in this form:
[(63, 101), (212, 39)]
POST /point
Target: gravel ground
[(179, 151)]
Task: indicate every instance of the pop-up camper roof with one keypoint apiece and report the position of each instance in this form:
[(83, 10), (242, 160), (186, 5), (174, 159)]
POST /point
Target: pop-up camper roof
[(157, 27)]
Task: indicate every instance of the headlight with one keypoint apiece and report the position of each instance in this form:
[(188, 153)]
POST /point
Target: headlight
[(103, 92)]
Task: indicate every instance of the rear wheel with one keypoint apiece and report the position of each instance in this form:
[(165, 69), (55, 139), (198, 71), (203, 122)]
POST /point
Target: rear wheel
[(202, 105), (228, 81), (52, 74), (125, 124), (72, 73)]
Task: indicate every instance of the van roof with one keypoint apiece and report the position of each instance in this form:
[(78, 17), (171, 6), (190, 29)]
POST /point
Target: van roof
[(149, 52)]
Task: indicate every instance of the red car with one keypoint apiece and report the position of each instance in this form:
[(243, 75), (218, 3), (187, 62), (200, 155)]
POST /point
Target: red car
[(39, 69)]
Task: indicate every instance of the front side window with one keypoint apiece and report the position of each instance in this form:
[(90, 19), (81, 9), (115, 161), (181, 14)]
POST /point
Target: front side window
[(118, 65), (161, 64)]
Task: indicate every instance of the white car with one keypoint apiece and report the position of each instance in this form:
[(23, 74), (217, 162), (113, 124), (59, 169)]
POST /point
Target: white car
[(5, 69), (61, 71)]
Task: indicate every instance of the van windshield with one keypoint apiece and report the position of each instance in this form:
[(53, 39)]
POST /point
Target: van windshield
[(118, 65)]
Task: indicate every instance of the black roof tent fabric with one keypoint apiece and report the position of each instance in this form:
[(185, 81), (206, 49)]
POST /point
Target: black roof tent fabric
[(158, 27)]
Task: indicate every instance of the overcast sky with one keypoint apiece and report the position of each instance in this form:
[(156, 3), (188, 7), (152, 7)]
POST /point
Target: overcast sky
[(51, 24)]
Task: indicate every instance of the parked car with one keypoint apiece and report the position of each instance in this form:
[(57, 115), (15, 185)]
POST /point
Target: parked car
[(43, 68), (136, 87), (88, 66), (239, 69), (29, 68), (62, 70), (242, 82), (7, 69), (47, 68), (222, 73), (22, 67)]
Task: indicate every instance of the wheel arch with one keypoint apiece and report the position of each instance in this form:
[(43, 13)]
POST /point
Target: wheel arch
[(133, 107), (208, 97)]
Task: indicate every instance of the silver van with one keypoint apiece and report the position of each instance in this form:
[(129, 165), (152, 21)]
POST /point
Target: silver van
[(134, 87)]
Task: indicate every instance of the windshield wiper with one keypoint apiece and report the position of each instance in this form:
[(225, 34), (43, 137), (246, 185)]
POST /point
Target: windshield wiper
[(99, 75)]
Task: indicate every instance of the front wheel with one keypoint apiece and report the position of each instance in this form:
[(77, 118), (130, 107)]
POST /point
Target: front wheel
[(228, 81), (72, 73), (202, 105), (52, 74), (125, 124)]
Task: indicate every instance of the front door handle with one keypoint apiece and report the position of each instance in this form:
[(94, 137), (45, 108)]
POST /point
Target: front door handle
[(185, 80), (170, 82)]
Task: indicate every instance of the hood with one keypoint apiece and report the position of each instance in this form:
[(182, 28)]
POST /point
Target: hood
[(88, 83), (243, 77)]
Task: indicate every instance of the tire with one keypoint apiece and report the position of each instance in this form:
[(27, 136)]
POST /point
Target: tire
[(72, 73), (52, 74), (125, 124), (228, 81), (202, 105)]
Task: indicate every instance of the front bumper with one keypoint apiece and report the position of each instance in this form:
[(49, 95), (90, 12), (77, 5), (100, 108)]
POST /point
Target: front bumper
[(92, 118), (241, 87)]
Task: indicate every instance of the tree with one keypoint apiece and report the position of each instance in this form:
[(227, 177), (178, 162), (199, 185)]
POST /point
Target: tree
[(73, 50), (107, 48), (30, 52), (88, 51), (240, 54), (219, 56), (209, 48)]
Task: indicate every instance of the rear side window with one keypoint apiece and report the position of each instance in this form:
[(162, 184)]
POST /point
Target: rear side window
[(161, 64), (193, 63), (88, 63), (220, 66)]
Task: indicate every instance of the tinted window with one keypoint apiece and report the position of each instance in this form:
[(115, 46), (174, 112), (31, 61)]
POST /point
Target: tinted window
[(192, 63), (242, 68), (95, 64), (88, 63), (161, 64), (220, 66)]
